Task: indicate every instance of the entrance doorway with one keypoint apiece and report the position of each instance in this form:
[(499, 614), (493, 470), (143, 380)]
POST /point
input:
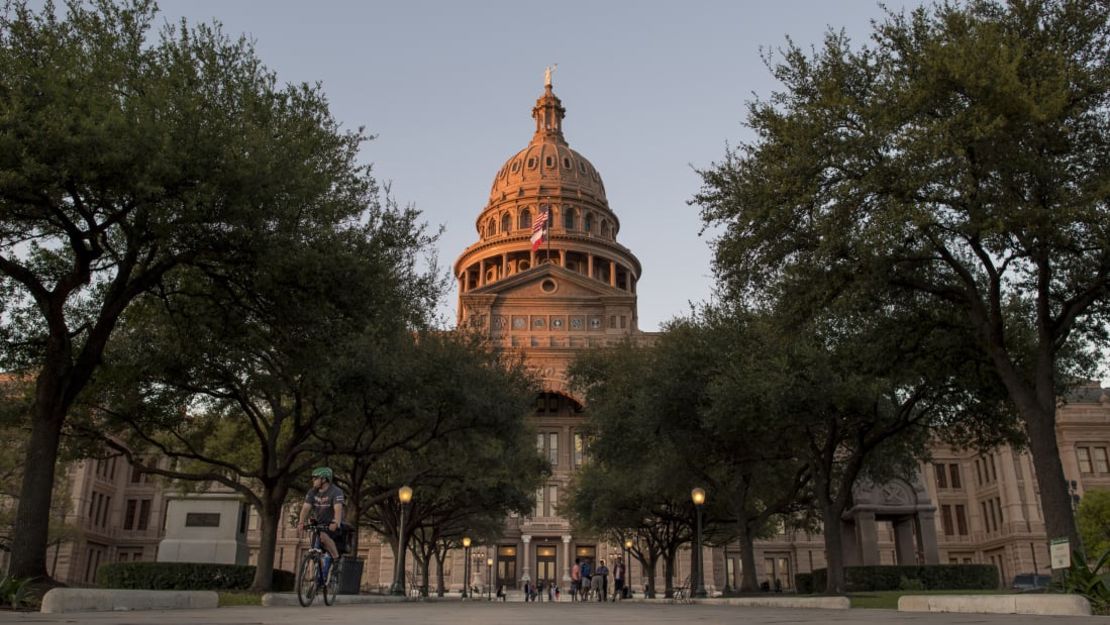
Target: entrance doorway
[(506, 567), (545, 565), (777, 569)]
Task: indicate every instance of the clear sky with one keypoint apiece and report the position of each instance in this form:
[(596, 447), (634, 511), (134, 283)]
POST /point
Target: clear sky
[(653, 90)]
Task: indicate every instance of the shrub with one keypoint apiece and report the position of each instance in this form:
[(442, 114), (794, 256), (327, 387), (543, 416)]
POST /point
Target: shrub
[(910, 584), (1092, 580), (15, 592), (185, 576), (803, 583), (930, 576)]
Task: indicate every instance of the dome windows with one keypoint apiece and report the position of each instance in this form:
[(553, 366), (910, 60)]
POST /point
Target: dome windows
[(516, 166), (568, 218), (550, 162), (506, 223), (531, 162), (566, 163), (491, 227), (525, 221)]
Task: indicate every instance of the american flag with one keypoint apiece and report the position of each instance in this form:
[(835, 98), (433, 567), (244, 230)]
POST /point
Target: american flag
[(539, 229)]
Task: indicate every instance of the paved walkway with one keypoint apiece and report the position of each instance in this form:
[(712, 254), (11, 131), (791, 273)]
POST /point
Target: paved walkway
[(515, 614)]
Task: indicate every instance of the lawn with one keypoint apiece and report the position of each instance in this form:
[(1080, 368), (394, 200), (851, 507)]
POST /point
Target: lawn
[(888, 599), (240, 598)]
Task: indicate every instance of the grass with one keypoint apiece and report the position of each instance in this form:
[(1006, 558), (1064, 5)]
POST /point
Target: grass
[(240, 598), (888, 599)]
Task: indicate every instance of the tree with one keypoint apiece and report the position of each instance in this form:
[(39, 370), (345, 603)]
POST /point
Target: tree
[(962, 159), (123, 158), (1094, 522), (445, 415)]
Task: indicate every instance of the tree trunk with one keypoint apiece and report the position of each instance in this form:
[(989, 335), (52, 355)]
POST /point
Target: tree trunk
[(649, 572), (834, 549), (441, 586), (748, 580), (425, 577), (32, 521), (269, 520), (1056, 505), (668, 575)]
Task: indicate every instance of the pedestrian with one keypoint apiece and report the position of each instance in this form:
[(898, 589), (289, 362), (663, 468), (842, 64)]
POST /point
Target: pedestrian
[(575, 579), (603, 572), (618, 579), (587, 576), (595, 584)]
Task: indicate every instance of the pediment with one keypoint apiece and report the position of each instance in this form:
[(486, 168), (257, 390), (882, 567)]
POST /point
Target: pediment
[(537, 283)]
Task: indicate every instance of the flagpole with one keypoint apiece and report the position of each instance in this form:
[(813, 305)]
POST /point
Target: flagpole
[(547, 224)]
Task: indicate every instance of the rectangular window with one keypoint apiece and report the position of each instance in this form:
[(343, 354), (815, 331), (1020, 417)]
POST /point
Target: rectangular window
[(961, 519), (954, 471), (1101, 464), (612, 321), (136, 475), (946, 519), (986, 518), (994, 517), (552, 500), (624, 322), (107, 512), (998, 504), (994, 470), (144, 514), (942, 479), (92, 506), (1084, 455), (979, 471), (539, 443), (129, 514), (579, 449), (539, 502), (553, 448)]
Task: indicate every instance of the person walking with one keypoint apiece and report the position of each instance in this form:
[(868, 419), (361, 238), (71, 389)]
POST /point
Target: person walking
[(587, 576)]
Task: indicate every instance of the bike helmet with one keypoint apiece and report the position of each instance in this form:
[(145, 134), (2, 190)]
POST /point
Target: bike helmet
[(323, 472)]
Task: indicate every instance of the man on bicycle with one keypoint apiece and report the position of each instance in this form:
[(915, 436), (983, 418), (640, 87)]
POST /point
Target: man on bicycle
[(325, 500)]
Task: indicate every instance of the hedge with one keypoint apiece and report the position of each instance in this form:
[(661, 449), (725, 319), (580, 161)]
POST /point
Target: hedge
[(803, 583), (932, 576), (185, 576)]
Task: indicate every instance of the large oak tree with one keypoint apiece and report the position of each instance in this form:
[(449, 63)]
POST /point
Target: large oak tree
[(964, 158)]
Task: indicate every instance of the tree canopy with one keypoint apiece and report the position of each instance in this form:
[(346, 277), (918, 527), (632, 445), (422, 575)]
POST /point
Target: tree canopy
[(960, 160)]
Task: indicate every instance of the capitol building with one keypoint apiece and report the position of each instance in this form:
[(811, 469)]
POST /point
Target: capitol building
[(578, 291)]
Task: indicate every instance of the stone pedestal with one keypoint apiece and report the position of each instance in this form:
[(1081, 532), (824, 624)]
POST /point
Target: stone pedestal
[(208, 527)]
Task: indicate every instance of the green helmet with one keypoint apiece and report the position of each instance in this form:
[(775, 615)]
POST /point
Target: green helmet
[(323, 472)]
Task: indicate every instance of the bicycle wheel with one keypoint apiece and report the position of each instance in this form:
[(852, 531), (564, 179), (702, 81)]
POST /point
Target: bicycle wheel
[(306, 580), (331, 587)]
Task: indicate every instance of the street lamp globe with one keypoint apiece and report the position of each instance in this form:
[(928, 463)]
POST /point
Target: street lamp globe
[(628, 543), (489, 561), (404, 494), (466, 541), (698, 495)]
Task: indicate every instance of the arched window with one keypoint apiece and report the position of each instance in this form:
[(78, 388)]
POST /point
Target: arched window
[(605, 228), (506, 222), (525, 219), (568, 218), (588, 224), (491, 227)]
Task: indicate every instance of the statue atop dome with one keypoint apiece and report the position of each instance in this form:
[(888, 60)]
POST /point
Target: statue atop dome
[(547, 72)]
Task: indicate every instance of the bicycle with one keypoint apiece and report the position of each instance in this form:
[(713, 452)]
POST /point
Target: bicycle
[(310, 575)]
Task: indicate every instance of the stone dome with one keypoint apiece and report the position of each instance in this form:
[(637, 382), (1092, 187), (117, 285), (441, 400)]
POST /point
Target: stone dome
[(548, 161)]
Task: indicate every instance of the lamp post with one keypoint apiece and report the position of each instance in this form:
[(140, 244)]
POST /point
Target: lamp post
[(489, 579), (404, 495), (628, 566), (466, 570), (698, 496)]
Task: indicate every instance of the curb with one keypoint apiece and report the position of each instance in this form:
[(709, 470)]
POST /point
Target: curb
[(61, 600), (1047, 605), (819, 603)]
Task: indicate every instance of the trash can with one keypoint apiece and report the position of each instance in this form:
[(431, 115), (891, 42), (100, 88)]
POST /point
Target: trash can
[(350, 575)]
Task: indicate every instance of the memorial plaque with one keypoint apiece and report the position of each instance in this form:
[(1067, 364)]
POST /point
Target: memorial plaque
[(202, 519)]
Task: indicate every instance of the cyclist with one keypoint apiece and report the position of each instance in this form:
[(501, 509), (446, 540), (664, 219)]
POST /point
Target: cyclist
[(325, 501)]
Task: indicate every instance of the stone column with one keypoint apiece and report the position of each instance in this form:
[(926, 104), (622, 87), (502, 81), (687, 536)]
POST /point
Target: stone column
[(613, 273), (563, 258), (504, 264), (526, 577), (462, 282), (867, 538), (927, 536), (566, 561), (482, 272), (904, 543), (590, 265)]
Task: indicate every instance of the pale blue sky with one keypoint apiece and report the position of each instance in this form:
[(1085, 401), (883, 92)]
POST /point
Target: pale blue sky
[(652, 90)]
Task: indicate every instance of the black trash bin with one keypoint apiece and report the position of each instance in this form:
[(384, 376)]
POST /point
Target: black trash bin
[(350, 575)]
